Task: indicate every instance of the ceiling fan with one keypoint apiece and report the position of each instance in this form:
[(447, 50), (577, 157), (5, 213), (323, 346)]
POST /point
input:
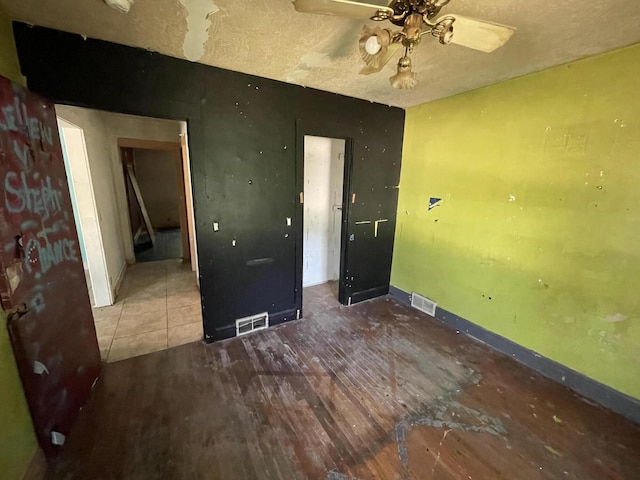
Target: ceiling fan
[(417, 19)]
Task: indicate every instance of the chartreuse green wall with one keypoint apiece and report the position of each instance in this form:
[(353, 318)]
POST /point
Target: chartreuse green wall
[(17, 439), (537, 236), (9, 65)]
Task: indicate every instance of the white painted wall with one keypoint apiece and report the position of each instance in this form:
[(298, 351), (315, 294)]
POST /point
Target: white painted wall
[(86, 213), (101, 132), (323, 181)]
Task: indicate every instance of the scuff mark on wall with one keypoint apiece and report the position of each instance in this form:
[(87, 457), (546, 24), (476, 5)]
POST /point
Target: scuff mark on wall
[(618, 317), (198, 23)]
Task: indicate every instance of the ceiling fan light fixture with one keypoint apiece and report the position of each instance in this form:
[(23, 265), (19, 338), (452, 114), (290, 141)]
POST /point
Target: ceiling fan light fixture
[(443, 30), (122, 6), (405, 79), (446, 36), (413, 27), (374, 43), (417, 18)]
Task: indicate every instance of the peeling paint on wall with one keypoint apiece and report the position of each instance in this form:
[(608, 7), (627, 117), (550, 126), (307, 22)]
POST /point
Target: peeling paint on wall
[(434, 202), (198, 23), (618, 317)]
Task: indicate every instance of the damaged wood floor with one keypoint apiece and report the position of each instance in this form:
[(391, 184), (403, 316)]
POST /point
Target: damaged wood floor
[(376, 390)]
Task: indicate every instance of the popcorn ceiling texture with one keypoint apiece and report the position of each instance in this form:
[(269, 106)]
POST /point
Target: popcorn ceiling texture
[(269, 38)]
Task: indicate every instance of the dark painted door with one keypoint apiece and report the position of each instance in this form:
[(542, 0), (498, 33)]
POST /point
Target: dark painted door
[(42, 282)]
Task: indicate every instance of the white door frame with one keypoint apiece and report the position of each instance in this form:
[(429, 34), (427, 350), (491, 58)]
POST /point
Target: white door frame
[(75, 151)]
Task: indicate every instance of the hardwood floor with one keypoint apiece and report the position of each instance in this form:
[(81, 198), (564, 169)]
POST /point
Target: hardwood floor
[(376, 390)]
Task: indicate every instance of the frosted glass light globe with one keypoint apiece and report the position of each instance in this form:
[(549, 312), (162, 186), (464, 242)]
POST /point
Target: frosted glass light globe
[(372, 46)]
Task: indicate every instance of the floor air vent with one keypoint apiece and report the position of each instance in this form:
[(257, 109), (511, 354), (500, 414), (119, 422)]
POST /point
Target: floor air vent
[(251, 324), (423, 304)]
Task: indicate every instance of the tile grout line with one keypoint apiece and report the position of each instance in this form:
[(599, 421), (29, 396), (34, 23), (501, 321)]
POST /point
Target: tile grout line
[(113, 337), (134, 274)]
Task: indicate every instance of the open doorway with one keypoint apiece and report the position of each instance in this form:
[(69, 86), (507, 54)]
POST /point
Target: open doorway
[(324, 165), (155, 185), (141, 305)]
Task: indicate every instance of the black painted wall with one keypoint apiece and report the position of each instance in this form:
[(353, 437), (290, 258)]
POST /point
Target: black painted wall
[(245, 140)]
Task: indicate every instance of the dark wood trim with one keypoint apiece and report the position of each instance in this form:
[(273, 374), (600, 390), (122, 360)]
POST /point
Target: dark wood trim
[(347, 189)]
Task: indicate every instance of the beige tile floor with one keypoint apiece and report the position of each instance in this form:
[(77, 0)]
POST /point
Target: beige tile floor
[(158, 307)]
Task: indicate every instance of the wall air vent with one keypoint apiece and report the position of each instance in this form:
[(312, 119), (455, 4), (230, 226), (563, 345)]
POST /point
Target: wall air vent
[(252, 323), (423, 304)]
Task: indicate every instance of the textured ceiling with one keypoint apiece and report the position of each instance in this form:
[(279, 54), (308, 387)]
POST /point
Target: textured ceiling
[(270, 39)]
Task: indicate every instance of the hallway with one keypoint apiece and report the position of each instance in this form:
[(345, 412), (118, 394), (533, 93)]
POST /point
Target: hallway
[(158, 307)]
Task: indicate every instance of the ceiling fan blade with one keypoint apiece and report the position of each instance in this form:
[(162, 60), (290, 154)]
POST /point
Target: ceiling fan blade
[(343, 8), (478, 34), (391, 51)]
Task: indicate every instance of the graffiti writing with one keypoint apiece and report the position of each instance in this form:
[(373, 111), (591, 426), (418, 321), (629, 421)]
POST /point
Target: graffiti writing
[(41, 199), (41, 254), (16, 118), (45, 239)]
